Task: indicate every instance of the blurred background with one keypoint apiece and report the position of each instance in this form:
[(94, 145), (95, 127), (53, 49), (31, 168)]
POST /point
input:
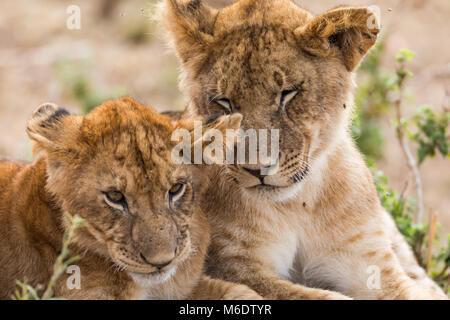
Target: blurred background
[(119, 50)]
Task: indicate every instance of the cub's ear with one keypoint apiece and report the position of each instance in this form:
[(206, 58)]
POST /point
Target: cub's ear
[(210, 138), (191, 24), (218, 122), (348, 32), (53, 129)]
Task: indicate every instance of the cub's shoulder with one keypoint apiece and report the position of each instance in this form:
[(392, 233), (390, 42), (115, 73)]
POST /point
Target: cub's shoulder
[(9, 169)]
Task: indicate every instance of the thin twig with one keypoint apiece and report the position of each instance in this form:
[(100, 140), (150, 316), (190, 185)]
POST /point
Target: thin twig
[(431, 233), (403, 196), (441, 275), (61, 262), (447, 285), (412, 164)]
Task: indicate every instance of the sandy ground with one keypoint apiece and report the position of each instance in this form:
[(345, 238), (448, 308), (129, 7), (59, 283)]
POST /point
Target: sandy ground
[(34, 40)]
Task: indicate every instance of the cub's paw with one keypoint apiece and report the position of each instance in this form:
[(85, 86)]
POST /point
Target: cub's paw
[(427, 295), (305, 293), (241, 292), (330, 295)]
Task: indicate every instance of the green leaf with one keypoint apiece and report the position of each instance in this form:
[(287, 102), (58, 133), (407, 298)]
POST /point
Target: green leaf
[(405, 55)]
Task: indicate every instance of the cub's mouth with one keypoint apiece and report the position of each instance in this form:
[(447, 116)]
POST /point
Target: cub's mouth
[(155, 277), (267, 188), (137, 266), (290, 169), (275, 182)]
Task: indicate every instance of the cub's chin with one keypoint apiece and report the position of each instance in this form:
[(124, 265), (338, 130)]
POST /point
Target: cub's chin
[(153, 278), (274, 193), (148, 279)]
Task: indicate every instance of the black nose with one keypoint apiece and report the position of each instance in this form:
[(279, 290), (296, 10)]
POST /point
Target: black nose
[(158, 265), (256, 173)]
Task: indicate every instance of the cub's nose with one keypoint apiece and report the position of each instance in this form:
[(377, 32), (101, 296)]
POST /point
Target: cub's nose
[(255, 172), (156, 240), (159, 261), (263, 170)]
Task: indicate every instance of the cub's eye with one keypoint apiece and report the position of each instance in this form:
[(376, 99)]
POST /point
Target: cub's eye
[(115, 196), (176, 191), (225, 104), (115, 199), (287, 95)]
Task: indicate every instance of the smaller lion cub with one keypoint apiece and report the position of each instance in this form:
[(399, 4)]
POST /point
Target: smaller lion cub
[(145, 235)]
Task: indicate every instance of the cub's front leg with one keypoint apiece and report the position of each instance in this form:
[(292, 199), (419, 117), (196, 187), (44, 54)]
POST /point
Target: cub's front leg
[(215, 289), (408, 261), (93, 294), (96, 282), (262, 278), (100, 292), (370, 269)]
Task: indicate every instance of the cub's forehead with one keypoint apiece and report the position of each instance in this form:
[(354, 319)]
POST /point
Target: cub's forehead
[(136, 174), (122, 126), (266, 12), (126, 138), (257, 34), (255, 63), (135, 144), (254, 41), (130, 140), (255, 50), (136, 162)]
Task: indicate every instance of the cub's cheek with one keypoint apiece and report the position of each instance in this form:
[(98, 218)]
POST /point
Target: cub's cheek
[(98, 234)]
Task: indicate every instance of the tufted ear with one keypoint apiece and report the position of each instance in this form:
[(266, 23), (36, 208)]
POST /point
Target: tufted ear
[(207, 139), (191, 24), (218, 122), (346, 32), (53, 129)]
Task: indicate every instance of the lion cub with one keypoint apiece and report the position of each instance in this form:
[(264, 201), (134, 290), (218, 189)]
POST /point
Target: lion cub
[(146, 236), (316, 220)]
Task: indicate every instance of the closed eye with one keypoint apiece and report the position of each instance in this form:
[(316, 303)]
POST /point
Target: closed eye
[(225, 104), (287, 95)]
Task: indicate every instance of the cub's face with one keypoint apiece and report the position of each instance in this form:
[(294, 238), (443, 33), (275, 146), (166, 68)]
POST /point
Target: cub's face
[(274, 85), (113, 168), (137, 203), (278, 66)]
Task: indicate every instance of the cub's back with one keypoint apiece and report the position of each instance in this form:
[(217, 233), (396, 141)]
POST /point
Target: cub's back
[(8, 170)]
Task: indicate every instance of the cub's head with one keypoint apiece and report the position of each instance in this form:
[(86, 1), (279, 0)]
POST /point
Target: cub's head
[(113, 168), (281, 68)]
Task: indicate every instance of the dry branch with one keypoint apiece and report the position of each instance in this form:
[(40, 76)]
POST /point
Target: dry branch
[(411, 161), (431, 233)]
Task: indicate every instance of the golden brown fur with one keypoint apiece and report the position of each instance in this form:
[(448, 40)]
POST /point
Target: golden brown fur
[(317, 221), (112, 168)]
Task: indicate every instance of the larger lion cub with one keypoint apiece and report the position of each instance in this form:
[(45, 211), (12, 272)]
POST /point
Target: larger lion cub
[(316, 221), (145, 237)]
